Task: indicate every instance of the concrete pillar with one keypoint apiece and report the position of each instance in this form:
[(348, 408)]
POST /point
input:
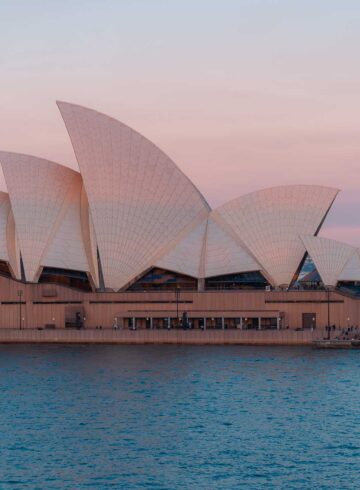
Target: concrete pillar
[(204, 323), (168, 322), (278, 323), (151, 323), (241, 323), (222, 323), (134, 323), (259, 320)]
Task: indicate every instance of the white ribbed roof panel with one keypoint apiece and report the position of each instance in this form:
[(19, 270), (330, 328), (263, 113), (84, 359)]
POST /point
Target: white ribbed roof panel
[(223, 255), (13, 246), (329, 257), (351, 270), (4, 213), (9, 251), (269, 222), (89, 238), (66, 249), (141, 204), (42, 195), (186, 256)]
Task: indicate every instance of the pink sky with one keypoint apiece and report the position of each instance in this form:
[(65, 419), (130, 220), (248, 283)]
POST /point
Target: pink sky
[(240, 94)]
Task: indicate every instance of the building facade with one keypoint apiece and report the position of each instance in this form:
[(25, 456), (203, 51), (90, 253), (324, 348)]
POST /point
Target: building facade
[(130, 242)]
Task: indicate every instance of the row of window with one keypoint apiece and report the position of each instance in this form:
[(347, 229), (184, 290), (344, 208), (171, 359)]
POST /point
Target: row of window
[(157, 279)]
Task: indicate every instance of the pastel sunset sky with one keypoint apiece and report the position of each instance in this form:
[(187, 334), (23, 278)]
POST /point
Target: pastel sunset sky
[(241, 94)]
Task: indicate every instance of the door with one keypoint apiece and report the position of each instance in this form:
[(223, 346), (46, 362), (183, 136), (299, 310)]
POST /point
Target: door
[(309, 320)]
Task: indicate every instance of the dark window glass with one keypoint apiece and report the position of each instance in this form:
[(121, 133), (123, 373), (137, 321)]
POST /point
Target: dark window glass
[(4, 269), (65, 277), (308, 276), (161, 279), (351, 287), (242, 280)]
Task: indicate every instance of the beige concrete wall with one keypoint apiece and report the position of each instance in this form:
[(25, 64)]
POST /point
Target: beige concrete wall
[(231, 304), (194, 337)]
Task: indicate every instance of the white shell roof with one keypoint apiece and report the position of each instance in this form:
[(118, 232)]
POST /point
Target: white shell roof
[(13, 246), (44, 204), (329, 257), (208, 251), (351, 270), (66, 248), (269, 222), (9, 251), (4, 213), (141, 204), (89, 238), (186, 256), (134, 205), (223, 255)]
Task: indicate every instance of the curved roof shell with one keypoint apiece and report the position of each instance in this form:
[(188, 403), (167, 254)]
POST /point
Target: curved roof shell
[(224, 255), (186, 257), (208, 251), (134, 209), (9, 251), (141, 204), (66, 248), (268, 223), (329, 257), (45, 200), (5, 209), (351, 270)]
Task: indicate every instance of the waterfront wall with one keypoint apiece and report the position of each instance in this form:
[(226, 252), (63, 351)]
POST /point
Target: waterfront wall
[(43, 304), (194, 337)]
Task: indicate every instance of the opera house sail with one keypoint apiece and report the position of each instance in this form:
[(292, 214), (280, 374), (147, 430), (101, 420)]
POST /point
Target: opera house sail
[(131, 229)]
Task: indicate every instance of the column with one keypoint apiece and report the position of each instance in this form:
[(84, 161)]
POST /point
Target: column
[(222, 323), (259, 320)]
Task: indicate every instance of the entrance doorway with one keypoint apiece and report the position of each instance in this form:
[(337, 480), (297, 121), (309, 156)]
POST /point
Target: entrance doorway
[(309, 320)]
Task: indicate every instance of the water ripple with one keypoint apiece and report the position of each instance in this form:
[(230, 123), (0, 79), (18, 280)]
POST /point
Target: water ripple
[(178, 417)]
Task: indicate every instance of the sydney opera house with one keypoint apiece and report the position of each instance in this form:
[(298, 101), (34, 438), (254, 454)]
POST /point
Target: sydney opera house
[(130, 242)]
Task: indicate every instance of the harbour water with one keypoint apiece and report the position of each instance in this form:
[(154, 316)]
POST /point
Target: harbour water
[(178, 417)]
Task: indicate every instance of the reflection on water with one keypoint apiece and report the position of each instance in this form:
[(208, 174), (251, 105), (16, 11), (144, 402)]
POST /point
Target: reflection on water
[(178, 417)]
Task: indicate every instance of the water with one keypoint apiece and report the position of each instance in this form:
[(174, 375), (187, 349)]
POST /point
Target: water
[(178, 417)]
